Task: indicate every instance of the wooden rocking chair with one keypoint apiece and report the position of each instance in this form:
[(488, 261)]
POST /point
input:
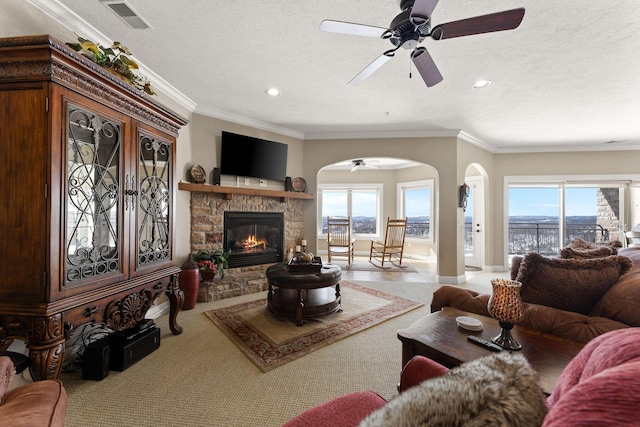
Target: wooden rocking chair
[(393, 244), (339, 240)]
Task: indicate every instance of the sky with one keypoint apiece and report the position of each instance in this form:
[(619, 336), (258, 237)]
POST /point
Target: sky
[(364, 203), (522, 201), (545, 202)]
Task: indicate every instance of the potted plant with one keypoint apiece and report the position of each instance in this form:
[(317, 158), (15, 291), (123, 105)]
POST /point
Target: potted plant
[(211, 262)]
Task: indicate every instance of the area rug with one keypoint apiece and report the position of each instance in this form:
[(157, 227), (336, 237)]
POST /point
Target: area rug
[(270, 341), (365, 265)]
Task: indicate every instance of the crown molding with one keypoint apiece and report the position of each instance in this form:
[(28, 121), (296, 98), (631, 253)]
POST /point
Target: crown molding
[(383, 134), (477, 142), (246, 121), (76, 24)]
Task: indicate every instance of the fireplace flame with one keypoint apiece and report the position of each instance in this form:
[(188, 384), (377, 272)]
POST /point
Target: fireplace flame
[(252, 244)]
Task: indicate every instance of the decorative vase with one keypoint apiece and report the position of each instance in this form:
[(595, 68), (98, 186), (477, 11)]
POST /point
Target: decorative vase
[(505, 305), (189, 282)]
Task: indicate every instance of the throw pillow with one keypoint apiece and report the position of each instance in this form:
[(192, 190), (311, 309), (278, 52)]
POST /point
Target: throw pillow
[(602, 251), (569, 284), (496, 390), (578, 243)]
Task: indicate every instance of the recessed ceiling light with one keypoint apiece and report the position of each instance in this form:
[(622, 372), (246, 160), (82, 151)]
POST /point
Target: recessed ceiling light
[(272, 92), (480, 84)]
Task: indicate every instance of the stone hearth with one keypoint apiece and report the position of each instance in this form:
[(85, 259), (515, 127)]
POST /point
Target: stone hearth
[(207, 217)]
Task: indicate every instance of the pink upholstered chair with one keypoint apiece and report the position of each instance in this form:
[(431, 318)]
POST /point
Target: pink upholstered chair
[(599, 387), (350, 409)]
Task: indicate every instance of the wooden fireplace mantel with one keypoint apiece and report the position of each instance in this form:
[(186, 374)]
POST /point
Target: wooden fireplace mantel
[(230, 191)]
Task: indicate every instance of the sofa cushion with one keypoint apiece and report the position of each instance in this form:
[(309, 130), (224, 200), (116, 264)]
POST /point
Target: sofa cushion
[(496, 390), (600, 252), (569, 284), (622, 301)]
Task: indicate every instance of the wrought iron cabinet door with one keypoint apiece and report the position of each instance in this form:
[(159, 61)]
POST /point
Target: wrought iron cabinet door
[(152, 185), (87, 183)]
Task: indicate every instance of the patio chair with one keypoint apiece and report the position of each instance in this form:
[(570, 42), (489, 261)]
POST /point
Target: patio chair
[(632, 239), (339, 240), (393, 244)]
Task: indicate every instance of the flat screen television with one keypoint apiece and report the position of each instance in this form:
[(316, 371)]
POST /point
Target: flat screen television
[(253, 157)]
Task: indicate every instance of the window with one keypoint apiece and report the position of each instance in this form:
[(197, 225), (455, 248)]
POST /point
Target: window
[(362, 202), (545, 217), (415, 202)]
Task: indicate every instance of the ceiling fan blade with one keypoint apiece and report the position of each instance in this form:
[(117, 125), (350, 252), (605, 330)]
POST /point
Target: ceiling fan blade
[(500, 21), (426, 66), (351, 28), (422, 10), (369, 69)]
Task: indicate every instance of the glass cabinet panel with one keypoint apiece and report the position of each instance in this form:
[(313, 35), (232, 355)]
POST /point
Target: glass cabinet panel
[(93, 195), (154, 200)]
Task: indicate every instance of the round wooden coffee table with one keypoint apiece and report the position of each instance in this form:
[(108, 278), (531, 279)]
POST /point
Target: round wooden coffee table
[(303, 294)]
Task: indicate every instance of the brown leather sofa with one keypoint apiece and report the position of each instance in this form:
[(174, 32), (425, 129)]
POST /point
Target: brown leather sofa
[(617, 308), (38, 404)]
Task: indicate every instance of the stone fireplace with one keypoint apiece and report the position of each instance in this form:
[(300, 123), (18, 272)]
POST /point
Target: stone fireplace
[(208, 232)]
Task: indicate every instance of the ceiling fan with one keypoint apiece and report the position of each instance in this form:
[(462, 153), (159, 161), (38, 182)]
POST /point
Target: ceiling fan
[(413, 25), (360, 164)]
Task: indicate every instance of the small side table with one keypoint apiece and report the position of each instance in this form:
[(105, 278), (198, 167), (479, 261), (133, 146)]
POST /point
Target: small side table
[(301, 294)]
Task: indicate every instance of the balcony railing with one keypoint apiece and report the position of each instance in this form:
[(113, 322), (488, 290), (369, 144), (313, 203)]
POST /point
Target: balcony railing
[(544, 238), (418, 229)]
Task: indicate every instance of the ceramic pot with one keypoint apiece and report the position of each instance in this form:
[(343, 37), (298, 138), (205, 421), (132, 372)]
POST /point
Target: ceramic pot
[(207, 275)]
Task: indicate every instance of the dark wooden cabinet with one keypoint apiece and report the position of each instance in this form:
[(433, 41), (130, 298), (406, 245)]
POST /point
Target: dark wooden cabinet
[(87, 185)]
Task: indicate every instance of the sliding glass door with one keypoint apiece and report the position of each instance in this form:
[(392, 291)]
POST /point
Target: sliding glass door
[(545, 217)]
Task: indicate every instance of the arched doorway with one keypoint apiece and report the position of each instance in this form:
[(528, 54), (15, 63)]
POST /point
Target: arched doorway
[(372, 189)]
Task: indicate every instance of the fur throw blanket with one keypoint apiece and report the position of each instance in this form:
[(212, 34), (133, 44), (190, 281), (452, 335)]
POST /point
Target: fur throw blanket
[(497, 390)]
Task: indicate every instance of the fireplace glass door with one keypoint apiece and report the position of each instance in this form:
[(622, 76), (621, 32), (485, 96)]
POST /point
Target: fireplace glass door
[(253, 238)]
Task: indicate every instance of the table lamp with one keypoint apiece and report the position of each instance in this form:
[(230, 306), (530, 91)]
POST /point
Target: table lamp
[(505, 305)]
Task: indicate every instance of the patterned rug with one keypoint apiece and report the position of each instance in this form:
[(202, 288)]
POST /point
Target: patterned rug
[(271, 341)]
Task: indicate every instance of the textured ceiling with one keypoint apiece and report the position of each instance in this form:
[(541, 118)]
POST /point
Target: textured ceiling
[(568, 77)]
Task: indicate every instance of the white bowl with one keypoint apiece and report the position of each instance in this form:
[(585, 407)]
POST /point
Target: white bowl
[(469, 323)]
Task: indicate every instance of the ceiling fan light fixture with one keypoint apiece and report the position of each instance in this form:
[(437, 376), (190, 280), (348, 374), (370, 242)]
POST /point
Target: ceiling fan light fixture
[(272, 91), (481, 84)]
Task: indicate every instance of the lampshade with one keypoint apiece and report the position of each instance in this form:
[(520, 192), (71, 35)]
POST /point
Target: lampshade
[(505, 303)]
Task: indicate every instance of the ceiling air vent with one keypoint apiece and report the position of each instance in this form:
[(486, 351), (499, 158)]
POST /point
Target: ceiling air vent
[(125, 12)]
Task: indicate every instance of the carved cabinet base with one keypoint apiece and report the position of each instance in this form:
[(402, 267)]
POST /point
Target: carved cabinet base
[(46, 336)]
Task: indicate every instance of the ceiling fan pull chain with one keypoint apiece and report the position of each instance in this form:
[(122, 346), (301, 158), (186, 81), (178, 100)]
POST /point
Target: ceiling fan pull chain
[(410, 63)]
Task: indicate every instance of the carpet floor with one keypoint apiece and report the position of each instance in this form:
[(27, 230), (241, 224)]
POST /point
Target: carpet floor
[(200, 378), (270, 341)]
